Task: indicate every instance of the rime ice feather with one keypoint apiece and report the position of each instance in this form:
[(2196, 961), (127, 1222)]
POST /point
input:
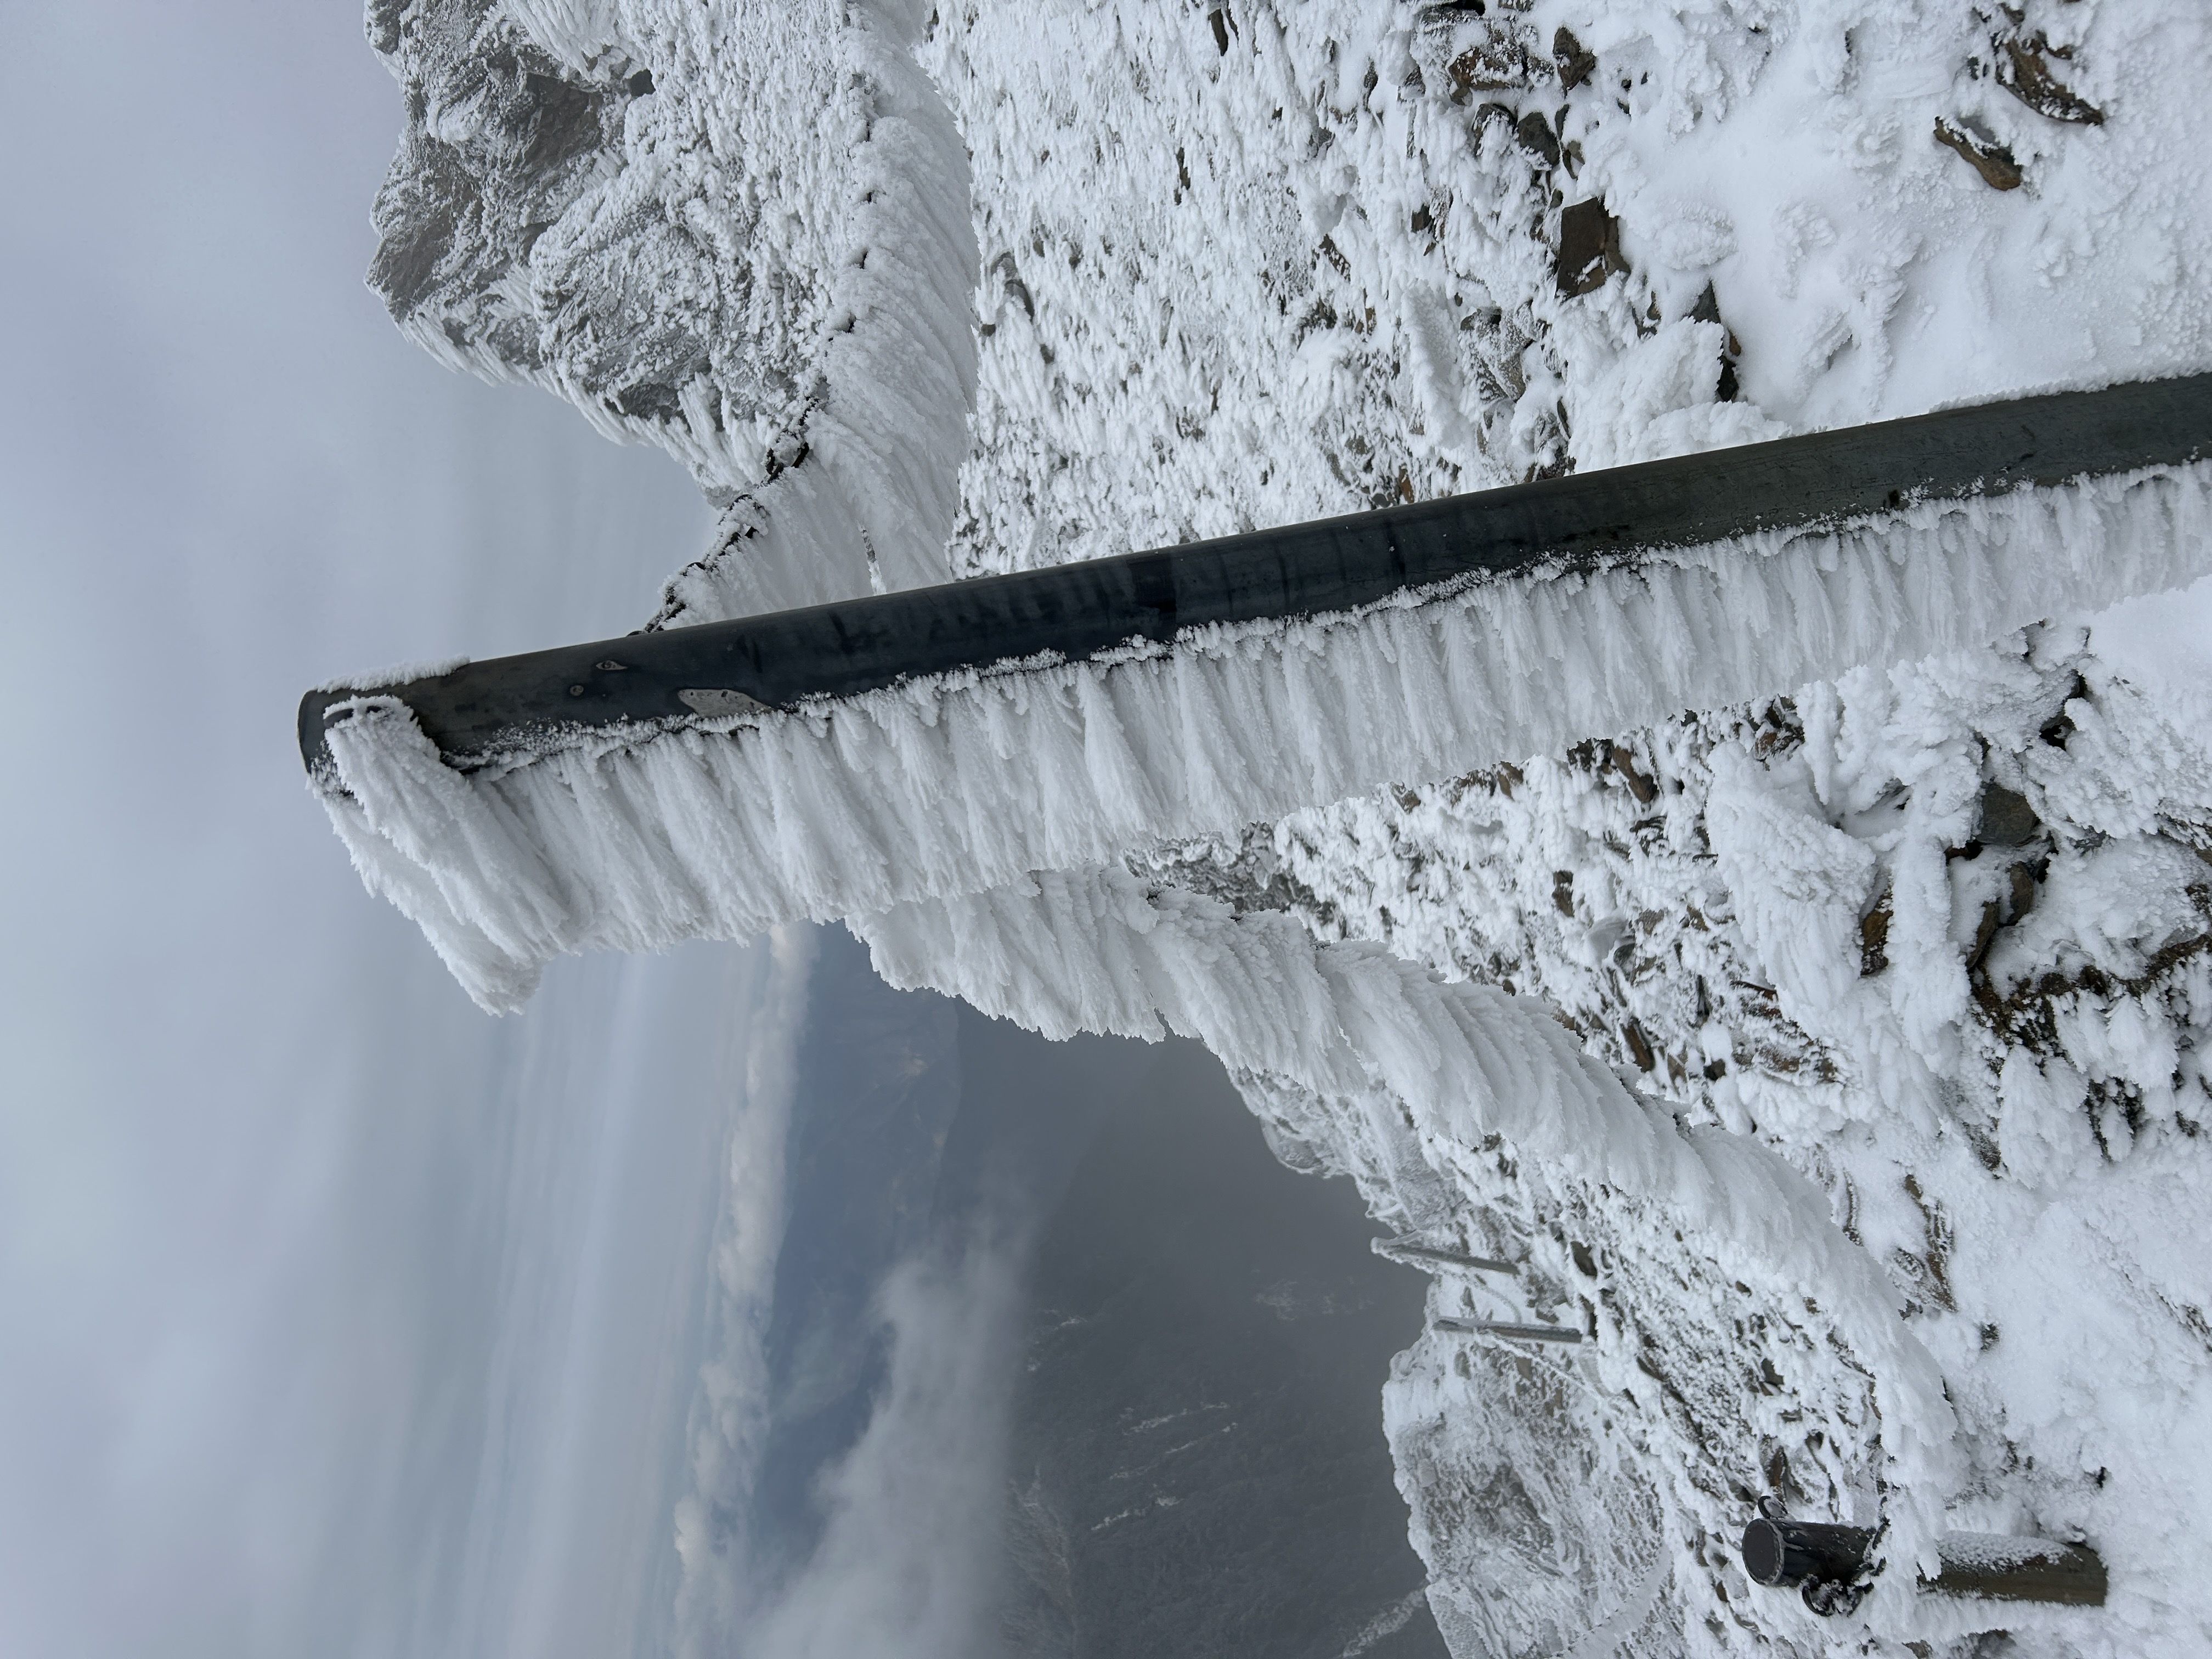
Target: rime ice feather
[(949, 784)]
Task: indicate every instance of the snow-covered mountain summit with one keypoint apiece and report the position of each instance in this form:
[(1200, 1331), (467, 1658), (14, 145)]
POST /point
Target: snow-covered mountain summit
[(1901, 1211)]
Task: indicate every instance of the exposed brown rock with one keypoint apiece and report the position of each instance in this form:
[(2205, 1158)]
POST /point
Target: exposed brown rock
[(1644, 789), (1589, 247), (1500, 63), (1874, 940), (2024, 70), (1576, 64), (1992, 161), (1639, 1046)]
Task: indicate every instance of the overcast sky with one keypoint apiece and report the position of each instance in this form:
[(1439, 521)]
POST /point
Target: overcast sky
[(337, 1316)]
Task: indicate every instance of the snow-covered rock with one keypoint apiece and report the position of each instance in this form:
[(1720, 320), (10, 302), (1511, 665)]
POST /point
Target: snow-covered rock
[(738, 231)]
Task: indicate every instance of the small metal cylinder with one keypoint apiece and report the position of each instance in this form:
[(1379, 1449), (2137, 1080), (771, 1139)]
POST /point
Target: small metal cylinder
[(1782, 1552)]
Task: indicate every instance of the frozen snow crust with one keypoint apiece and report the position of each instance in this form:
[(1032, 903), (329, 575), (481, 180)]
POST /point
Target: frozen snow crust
[(1987, 1052), (1874, 1076)]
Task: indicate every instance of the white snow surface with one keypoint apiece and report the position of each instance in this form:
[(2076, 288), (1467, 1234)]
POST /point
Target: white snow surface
[(2007, 1114), (1829, 1052), (1312, 271)]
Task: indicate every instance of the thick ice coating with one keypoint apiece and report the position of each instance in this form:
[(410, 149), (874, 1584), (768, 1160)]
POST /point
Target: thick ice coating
[(952, 785)]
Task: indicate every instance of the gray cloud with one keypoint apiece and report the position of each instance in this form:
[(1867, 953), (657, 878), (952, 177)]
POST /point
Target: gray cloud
[(907, 1566)]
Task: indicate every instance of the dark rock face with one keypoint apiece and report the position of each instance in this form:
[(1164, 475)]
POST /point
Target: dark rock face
[(2023, 69), (1199, 1463), (1987, 157), (740, 232), (500, 141), (1534, 135), (587, 214), (2008, 820), (1589, 247), (1577, 63)]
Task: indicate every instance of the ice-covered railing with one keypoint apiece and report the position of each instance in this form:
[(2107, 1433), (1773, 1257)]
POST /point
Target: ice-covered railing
[(835, 761)]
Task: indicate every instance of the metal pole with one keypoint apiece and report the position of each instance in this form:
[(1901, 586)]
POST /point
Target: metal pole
[(1611, 516), (1401, 1249), (1506, 1328), (2002, 1569), (1827, 1564)]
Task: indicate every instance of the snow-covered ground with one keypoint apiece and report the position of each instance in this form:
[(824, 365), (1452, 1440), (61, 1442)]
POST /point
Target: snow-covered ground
[(1830, 1059)]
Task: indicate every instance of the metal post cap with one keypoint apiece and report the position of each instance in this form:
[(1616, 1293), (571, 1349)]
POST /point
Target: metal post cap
[(1763, 1552), (1778, 1551)]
